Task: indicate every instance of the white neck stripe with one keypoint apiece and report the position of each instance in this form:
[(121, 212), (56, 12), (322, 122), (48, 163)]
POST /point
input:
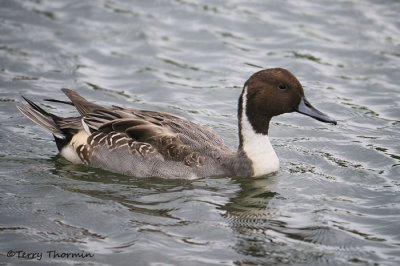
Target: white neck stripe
[(256, 146)]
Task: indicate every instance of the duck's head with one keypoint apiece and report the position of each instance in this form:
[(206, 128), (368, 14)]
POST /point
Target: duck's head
[(272, 92)]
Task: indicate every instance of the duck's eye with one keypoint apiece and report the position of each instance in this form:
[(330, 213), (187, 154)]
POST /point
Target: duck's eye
[(282, 86)]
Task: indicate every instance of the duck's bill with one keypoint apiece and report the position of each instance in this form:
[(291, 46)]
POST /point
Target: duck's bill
[(306, 108)]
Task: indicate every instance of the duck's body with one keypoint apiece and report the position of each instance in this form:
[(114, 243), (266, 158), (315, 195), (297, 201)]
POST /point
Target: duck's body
[(147, 143)]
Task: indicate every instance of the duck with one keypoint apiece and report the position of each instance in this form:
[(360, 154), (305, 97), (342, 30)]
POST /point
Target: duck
[(145, 143)]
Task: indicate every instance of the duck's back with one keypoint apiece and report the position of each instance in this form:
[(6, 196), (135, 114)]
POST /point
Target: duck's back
[(148, 143)]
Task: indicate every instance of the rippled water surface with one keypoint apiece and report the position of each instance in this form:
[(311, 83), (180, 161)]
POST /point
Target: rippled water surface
[(336, 199)]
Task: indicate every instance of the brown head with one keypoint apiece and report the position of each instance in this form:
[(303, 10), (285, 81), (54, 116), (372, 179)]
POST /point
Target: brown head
[(272, 92)]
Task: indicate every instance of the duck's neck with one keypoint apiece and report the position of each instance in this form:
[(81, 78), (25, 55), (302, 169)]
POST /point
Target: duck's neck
[(254, 141)]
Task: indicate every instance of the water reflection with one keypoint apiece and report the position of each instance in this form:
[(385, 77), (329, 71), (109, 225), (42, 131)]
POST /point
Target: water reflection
[(253, 218), (155, 205)]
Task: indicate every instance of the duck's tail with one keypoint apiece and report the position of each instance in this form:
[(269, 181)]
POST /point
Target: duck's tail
[(41, 117), (63, 129)]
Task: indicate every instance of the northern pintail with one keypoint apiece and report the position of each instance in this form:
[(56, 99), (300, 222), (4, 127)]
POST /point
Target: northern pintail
[(147, 143)]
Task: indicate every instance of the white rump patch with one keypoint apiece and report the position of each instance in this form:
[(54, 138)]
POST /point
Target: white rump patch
[(69, 151)]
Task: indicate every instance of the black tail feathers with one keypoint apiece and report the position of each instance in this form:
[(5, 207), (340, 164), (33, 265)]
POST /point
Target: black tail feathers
[(41, 117), (61, 128)]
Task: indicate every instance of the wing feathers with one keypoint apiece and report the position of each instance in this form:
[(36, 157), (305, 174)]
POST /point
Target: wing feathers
[(81, 104), (144, 132), (165, 136)]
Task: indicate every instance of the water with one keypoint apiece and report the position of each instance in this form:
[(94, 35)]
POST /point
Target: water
[(335, 200)]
